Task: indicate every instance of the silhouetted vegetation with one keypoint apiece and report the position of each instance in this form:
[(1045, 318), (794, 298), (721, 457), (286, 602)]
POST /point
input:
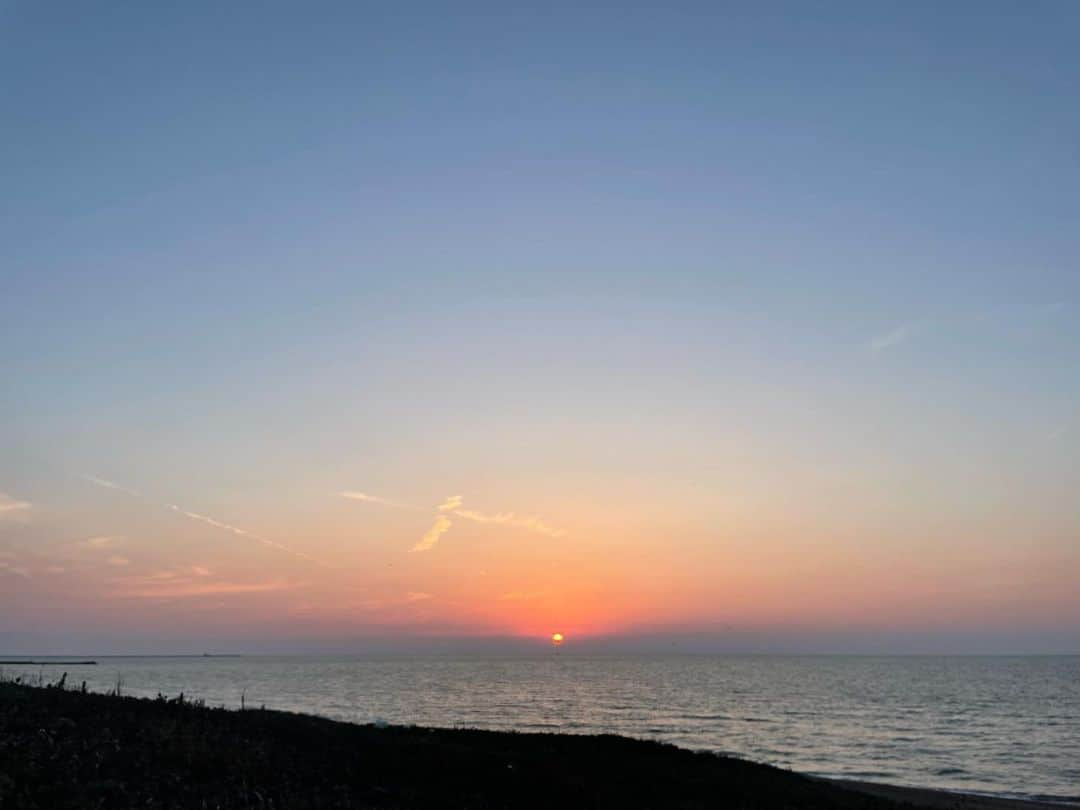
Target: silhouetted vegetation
[(63, 747)]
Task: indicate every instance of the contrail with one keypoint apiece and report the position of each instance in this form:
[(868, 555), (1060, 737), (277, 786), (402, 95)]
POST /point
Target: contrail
[(101, 482), (217, 524)]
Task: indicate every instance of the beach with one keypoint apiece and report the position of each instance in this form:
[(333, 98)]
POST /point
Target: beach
[(944, 799), (66, 748)]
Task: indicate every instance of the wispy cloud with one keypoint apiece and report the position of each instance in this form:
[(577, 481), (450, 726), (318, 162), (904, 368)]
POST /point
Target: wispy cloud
[(417, 596), (17, 570), (102, 482), (11, 507), (429, 540), (119, 561), (176, 585), (888, 340), (172, 574), (366, 498), (1009, 318), (103, 541), (450, 504), (532, 524)]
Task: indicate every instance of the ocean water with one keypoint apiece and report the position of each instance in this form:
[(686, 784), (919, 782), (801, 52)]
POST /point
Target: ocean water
[(998, 725)]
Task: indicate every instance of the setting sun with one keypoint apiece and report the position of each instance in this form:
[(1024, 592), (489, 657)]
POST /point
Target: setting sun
[(350, 346)]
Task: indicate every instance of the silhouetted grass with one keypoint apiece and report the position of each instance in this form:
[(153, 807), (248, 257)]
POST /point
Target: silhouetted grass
[(69, 748)]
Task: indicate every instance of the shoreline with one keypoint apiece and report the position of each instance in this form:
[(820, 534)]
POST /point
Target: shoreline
[(69, 748), (941, 798)]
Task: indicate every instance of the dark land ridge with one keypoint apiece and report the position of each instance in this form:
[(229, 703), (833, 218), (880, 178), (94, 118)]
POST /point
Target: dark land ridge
[(51, 663), (69, 748)]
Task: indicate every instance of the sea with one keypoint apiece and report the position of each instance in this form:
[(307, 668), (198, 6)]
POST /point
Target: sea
[(992, 725)]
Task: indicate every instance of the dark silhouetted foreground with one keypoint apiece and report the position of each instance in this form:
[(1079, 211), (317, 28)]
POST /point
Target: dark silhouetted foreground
[(61, 748)]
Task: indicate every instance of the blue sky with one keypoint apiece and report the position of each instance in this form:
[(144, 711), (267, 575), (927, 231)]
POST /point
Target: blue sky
[(633, 261)]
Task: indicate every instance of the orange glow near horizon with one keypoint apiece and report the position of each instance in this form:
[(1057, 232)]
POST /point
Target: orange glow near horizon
[(578, 353), (350, 567)]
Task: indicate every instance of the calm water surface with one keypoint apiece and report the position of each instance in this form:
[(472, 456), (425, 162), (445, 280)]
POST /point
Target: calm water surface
[(995, 725)]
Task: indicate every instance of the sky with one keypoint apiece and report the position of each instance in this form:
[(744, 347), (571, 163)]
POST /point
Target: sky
[(694, 326)]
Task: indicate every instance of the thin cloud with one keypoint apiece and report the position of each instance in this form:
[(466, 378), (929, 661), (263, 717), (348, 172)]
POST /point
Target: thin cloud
[(102, 482), (118, 561), (164, 576), (450, 504), (185, 588), (442, 523), (11, 507), (532, 524), (417, 596), (1010, 318), (366, 498), (891, 339), (17, 570)]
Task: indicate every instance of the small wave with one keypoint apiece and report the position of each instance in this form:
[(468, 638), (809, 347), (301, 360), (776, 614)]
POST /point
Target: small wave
[(864, 775), (949, 771)]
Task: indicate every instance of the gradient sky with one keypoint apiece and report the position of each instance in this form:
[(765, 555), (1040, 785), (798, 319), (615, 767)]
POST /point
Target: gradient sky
[(717, 326)]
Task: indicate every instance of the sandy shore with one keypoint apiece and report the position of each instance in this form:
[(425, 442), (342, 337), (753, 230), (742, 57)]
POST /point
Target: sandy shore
[(943, 799)]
